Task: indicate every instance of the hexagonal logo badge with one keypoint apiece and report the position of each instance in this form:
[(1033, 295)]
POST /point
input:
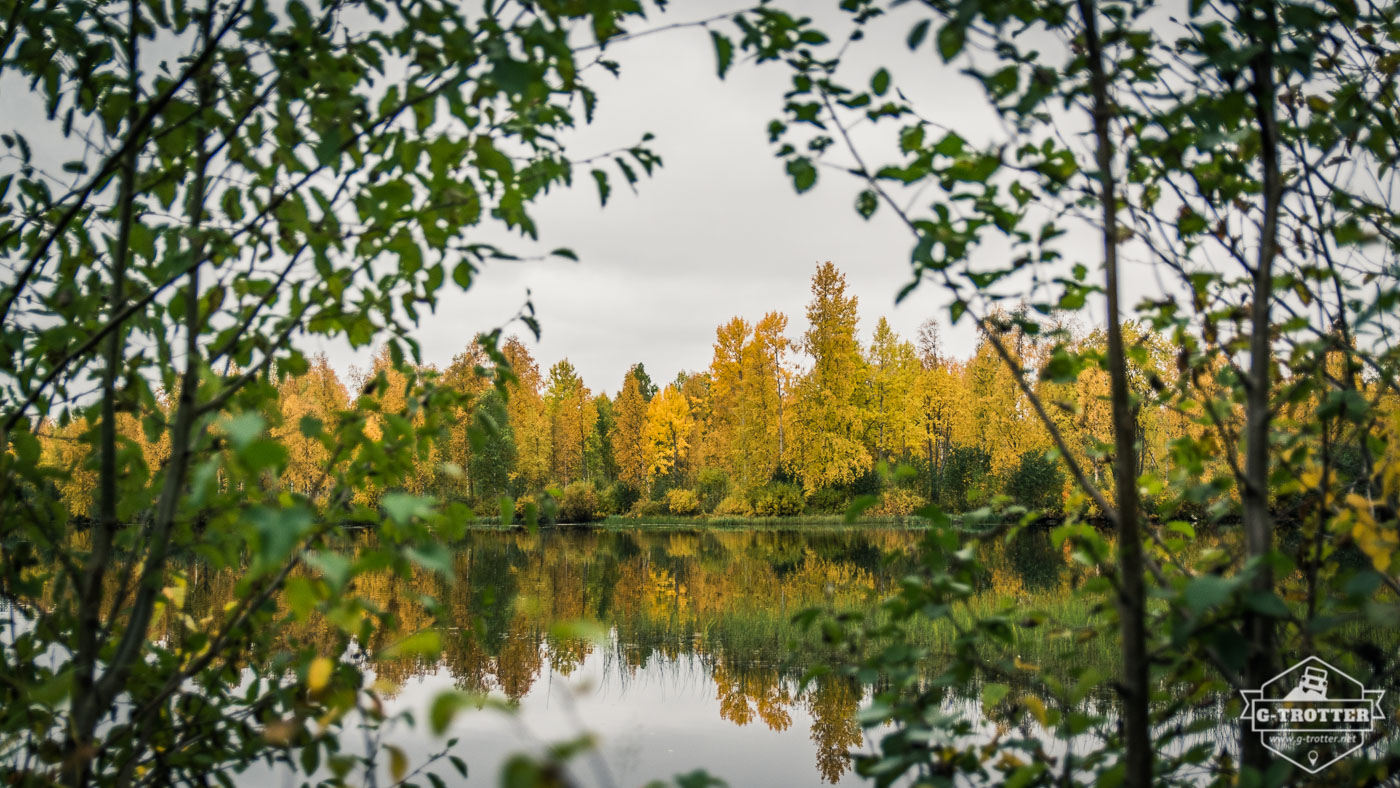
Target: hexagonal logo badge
[(1312, 714)]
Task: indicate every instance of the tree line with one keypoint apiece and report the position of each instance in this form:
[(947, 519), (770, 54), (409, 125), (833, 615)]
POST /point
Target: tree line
[(776, 425)]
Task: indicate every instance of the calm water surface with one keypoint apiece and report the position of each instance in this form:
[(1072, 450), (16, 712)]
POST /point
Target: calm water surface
[(688, 658)]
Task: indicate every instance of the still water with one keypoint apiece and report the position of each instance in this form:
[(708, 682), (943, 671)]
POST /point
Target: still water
[(688, 658)]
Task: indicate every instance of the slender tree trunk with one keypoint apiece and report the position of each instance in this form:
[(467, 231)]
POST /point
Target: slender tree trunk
[(1131, 606), (86, 710), (1258, 523)]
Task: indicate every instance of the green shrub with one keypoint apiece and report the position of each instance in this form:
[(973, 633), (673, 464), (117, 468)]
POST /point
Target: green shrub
[(779, 499), (964, 478), (829, 500), (868, 483), (897, 502), (618, 498), (734, 506), (579, 504), (683, 502), (712, 487), (1037, 484)]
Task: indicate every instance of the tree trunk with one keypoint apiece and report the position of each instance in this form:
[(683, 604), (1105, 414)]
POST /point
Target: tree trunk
[(1258, 523), (1131, 606), (86, 708)]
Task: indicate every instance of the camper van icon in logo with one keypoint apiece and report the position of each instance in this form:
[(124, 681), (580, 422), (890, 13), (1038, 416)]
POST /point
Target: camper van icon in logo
[(1312, 714)]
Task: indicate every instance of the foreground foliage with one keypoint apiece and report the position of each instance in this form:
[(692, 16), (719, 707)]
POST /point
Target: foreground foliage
[(209, 185)]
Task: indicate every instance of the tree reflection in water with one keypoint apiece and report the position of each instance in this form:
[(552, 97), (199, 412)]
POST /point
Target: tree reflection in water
[(716, 604)]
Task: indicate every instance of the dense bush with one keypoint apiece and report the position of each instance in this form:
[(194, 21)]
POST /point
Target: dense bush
[(683, 502), (579, 504), (1038, 484), (618, 498), (778, 499), (897, 502), (712, 487), (829, 500), (964, 483), (734, 506), (868, 483)]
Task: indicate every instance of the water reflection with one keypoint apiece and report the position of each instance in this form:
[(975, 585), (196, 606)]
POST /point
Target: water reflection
[(699, 663), (695, 660), (708, 610)]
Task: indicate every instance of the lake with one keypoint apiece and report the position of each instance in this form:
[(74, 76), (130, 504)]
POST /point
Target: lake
[(675, 648), (687, 656)]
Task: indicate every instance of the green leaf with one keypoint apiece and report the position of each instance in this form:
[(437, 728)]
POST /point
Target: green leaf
[(488, 158), (279, 530), (858, 506), (992, 693), (880, 83), (434, 556), (53, 691), (1207, 591), (803, 172), (462, 275), (866, 203), (724, 52), (603, 189), (1266, 603), (444, 708), (334, 568), (301, 596), (918, 33), (424, 643), (403, 507), (243, 429), (950, 40), (310, 427)]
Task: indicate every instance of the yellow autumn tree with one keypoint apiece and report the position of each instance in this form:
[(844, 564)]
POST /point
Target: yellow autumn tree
[(65, 449), (1000, 419), (529, 419), (695, 387), (940, 402), (828, 421), (629, 443), (727, 383), (573, 417), (668, 431), (393, 398), (748, 380), (892, 424), (307, 400), (463, 376)]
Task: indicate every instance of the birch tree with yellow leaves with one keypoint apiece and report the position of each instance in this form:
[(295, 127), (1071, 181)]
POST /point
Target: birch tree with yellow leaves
[(828, 420), (892, 426), (669, 428), (631, 450), (307, 401), (573, 418), (529, 419)]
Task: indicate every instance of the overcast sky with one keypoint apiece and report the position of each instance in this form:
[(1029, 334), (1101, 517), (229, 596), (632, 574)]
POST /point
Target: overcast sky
[(717, 232)]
